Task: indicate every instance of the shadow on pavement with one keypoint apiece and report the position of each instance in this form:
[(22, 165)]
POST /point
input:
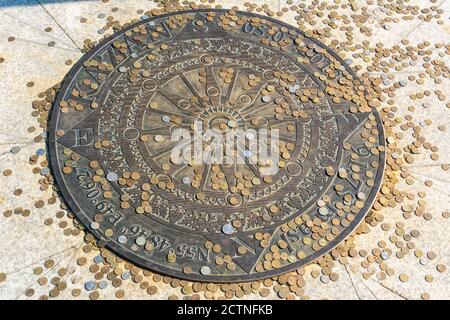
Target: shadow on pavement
[(12, 3)]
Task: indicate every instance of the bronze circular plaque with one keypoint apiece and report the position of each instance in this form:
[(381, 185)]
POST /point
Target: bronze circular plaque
[(216, 145)]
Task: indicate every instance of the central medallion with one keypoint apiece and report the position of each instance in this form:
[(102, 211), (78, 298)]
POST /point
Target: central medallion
[(221, 118)]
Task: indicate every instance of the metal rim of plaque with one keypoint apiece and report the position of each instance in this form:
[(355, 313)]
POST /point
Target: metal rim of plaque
[(181, 222)]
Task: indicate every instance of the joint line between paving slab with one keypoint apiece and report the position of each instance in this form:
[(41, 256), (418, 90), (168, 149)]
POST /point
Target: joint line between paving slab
[(70, 48), (59, 25), (415, 28), (431, 177), (428, 165), (44, 258), (390, 289), (74, 252), (36, 29), (422, 181), (370, 290), (353, 284)]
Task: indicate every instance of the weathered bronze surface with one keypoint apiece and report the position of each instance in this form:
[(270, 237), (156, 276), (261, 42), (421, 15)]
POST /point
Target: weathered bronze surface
[(110, 145)]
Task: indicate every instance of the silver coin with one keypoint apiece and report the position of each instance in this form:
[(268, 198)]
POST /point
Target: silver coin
[(98, 259), (186, 180), (361, 195), (325, 279), (140, 241), (158, 138), (95, 225), (15, 149), (424, 261), (122, 239), (266, 98), (250, 136), (125, 275), (103, 284), (205, 270), (323, 211), (231, 124), (112, 176), (90, 285), (227, 229)]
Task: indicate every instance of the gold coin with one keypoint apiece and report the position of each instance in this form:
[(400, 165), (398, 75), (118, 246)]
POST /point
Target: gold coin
[(120, 294), (403, 277)]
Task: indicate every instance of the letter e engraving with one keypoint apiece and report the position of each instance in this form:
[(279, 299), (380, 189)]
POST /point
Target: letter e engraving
[(84, 137)]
